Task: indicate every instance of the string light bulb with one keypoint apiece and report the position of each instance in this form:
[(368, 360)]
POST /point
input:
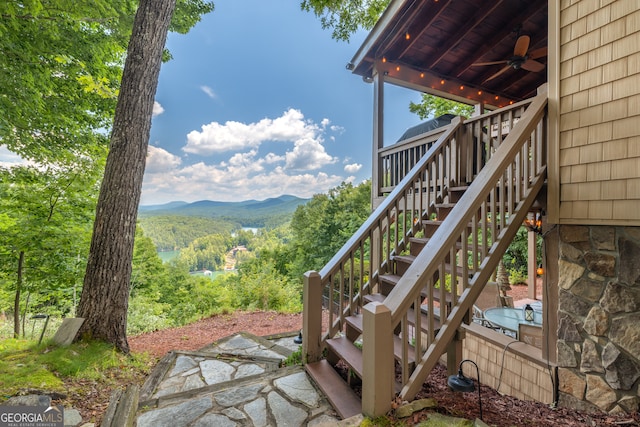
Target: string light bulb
[(407, 36)]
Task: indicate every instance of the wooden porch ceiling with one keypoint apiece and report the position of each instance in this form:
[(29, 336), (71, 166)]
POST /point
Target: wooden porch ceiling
[(431, 46)]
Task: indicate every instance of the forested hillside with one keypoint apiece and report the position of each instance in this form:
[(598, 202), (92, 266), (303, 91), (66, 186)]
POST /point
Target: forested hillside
[(172, 232), (269, 272), (249, 213)]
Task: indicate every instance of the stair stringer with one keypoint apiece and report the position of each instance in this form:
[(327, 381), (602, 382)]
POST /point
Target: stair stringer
[(498, 170), (468, 297)]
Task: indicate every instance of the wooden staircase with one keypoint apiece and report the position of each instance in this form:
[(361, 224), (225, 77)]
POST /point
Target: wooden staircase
[(407, 280), (345, 347)]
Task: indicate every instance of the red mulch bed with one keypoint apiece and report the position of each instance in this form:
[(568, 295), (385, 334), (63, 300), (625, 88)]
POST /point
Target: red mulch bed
[(498, 410)]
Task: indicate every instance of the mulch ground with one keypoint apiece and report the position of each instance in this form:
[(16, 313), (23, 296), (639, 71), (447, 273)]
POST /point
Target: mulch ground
[(498, 410)]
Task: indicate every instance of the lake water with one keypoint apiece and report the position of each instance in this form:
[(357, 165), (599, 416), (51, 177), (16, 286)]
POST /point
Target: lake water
[(167, 256)]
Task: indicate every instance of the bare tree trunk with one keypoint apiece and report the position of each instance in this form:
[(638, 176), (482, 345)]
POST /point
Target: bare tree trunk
[(105, 294), (24, 315), (16, 301)]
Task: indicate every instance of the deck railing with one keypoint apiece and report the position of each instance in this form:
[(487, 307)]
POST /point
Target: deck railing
[(456, 157), (355, 270), (463, 253), (397, 160)]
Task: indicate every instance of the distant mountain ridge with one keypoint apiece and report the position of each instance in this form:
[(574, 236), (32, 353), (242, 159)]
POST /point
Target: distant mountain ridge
[(249, 212)]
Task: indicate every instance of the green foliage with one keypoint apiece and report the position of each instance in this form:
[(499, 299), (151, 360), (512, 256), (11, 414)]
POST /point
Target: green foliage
[(47, 217), (170, 232), (258, 286), (147, 315), (434, 106), (207, 252), (19, 370), (516, 256), (345, 17), (188, 13), (268, 213), (294, 359), (322, 226), (24, 365), (61, 68), (148, 270), (61, 65)]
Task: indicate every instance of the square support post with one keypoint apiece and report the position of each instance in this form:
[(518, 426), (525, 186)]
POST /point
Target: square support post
[(377, 360), (311, 317), (454, 353), (532, 264)]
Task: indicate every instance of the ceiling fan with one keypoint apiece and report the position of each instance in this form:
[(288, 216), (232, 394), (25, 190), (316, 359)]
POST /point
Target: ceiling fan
[(521, 58)]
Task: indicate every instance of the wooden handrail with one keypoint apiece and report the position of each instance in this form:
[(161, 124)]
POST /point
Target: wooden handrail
[(384, 234), (453, 226), (501, 157), (515, 173)]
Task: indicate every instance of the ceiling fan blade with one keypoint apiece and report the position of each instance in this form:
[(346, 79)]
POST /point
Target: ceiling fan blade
[(538, 53), (489, 63), (522, 45), (504, 70), (531, 65)]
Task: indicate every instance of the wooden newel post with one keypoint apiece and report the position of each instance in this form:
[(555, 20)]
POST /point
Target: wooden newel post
[(377, 360), (311, 317)]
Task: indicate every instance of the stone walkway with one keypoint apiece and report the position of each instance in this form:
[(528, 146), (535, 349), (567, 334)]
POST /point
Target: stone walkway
[(235, 381)]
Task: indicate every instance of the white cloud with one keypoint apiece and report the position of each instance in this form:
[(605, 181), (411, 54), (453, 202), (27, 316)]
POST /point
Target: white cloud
[(291, 128), (352, 168), (157, 109), (257, 160), (273, 158), (160, 160), (208, 91), (243, 177), (9, 158), (308, 155)]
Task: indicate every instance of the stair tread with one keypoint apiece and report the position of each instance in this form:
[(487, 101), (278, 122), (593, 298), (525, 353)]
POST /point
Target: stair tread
[(356, 323), (374, 297), (438, 222), (405, 258), (393, 279), (340, 395), (348, 352), (424, 240)]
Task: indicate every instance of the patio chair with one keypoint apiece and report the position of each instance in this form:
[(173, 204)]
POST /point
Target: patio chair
[(478, 317), (488, 298)]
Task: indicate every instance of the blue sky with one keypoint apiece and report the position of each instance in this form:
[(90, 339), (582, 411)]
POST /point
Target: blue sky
[(257, 103)]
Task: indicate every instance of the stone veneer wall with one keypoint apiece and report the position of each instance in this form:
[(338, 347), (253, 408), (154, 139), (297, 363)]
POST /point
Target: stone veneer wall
[(599, 317)]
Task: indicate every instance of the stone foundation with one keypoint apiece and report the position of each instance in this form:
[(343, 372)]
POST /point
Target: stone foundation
[(598, 352)]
